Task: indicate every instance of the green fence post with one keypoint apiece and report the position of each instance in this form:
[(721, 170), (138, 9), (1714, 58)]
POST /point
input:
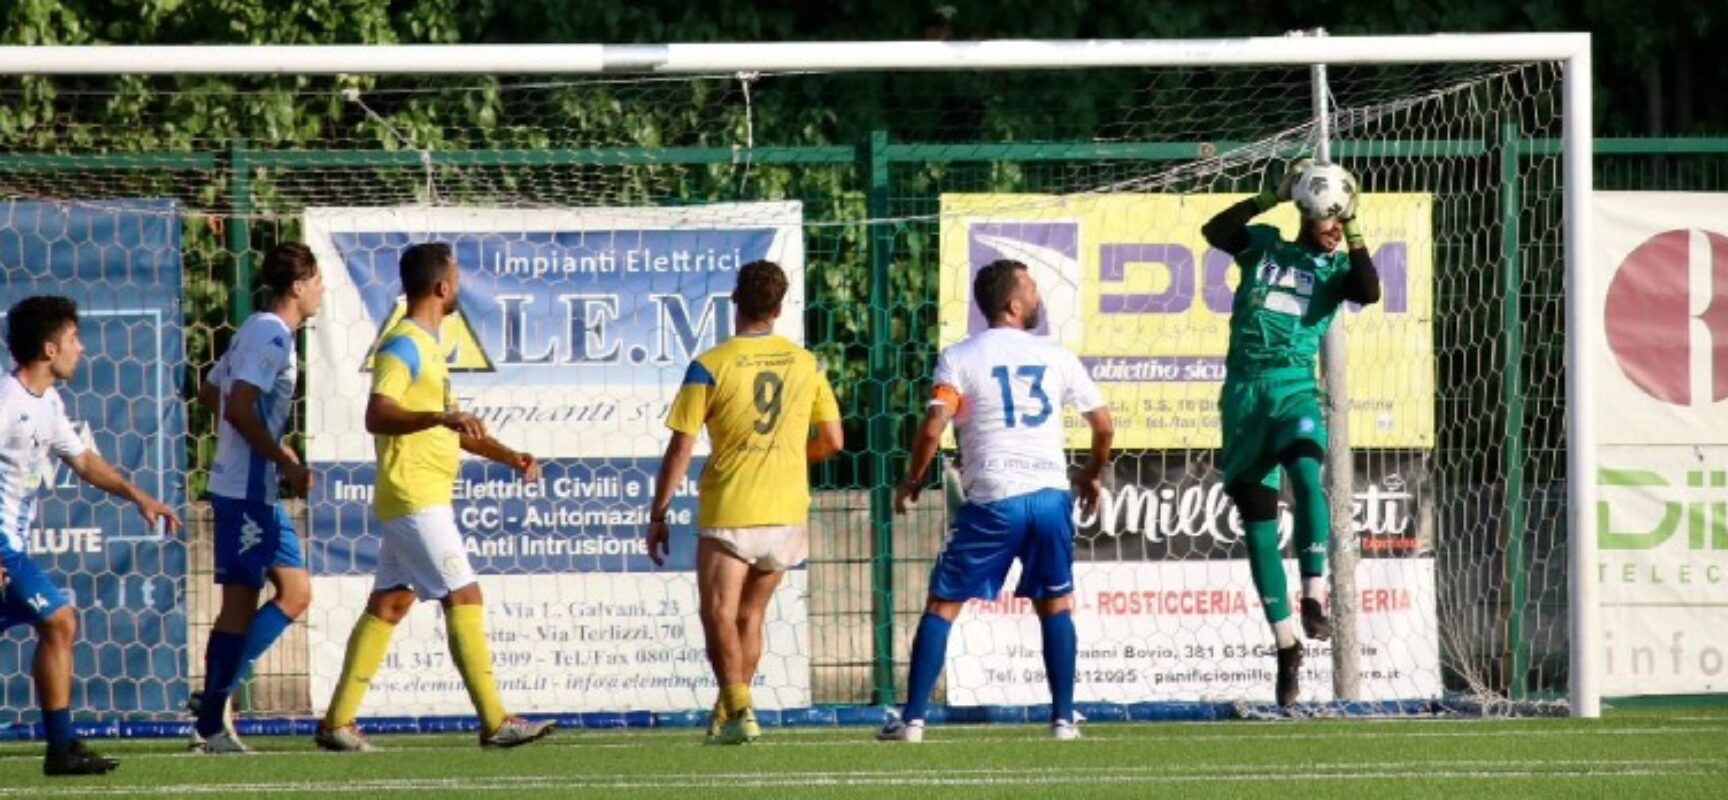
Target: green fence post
[(240, 244), (240, 228), (880, 241), (1512, 392)]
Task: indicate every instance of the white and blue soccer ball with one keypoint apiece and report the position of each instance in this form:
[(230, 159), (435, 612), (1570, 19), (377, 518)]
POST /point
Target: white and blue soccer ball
[(1325, 191)]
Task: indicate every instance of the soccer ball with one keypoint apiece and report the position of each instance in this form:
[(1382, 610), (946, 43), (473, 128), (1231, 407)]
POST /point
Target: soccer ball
[(1325, 191)]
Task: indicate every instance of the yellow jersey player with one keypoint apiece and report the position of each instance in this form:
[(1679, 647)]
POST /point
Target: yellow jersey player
[(759, 395), (417, 432)]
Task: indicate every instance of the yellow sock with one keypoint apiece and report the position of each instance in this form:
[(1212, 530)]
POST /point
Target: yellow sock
[(735, 699), (366, 648), (467, 626), (720, 709)]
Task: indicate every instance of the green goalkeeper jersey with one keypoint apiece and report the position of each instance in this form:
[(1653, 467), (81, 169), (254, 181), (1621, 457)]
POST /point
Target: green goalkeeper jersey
[(1284, 304)]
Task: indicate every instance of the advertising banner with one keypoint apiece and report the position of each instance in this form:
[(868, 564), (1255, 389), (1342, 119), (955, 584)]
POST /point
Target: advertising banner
[(1165, 608), (574, 330), (121, 262), (1130, 285), (1661, 274)]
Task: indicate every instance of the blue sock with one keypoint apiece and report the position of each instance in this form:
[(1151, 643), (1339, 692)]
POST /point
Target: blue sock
[(929, 650), (267, 626), (58, 726), (221, 665), (1060, 647)]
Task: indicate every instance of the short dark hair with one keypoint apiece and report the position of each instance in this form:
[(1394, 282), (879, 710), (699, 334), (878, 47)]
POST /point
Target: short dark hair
[(761, 287), (994, 286), (35, 320), (286, 264), (422, 266)]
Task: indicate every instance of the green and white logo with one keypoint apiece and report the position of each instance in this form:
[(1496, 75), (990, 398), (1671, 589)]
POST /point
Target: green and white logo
[(1701, 503)]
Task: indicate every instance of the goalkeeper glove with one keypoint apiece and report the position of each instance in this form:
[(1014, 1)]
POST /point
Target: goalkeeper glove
[(1353, 232), (1288, 185)]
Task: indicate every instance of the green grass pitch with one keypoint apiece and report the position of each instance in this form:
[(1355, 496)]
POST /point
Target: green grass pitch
[(1645, 754)]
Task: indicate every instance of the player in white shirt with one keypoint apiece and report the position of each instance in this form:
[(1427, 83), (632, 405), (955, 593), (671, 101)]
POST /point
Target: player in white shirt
[(251, 390), (42, 336), (1002, 388)]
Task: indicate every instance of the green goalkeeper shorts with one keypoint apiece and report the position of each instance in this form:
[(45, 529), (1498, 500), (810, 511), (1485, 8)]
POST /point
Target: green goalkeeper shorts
[(1262, 417)]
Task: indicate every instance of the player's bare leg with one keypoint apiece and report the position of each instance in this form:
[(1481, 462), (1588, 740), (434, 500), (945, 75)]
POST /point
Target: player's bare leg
[(720, 579), (753, 600)]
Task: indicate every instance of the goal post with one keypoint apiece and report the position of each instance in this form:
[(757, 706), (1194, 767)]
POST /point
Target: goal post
[(355, 205)]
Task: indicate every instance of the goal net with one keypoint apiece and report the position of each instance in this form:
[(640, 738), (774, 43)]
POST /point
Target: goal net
[(599, 223)]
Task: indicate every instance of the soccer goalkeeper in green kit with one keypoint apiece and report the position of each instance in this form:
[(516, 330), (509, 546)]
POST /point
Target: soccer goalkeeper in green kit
[(1288, 295)]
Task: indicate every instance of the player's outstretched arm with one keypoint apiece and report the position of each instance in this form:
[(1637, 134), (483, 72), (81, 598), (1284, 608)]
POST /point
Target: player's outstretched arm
[(1228, 229), (493, 450), (1362, 282), (924, 447), (95, 470), (673, 467)]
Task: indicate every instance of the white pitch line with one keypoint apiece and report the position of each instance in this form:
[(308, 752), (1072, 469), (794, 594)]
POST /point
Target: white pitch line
[(956, 776), (793, 739), (835, 780)]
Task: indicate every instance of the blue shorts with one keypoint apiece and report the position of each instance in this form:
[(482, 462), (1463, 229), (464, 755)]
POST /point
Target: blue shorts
[(251, 538), (1037, 528), (27, 596)]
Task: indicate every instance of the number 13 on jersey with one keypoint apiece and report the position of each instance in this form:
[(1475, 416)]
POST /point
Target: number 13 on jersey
[(1032, 376)]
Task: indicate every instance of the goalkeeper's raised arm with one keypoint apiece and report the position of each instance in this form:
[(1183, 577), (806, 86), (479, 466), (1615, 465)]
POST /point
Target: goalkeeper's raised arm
[(1228, 231)]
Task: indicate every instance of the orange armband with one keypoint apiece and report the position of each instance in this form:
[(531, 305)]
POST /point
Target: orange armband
[(948, 396)]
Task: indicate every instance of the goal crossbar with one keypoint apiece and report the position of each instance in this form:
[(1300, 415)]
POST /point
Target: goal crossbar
[(529, 59)]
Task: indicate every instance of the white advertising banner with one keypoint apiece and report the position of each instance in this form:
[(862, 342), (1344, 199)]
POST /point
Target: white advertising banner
[(1661, 266), (571, 336), (561, 644), (1661, 272), (1193, 630), (1662, 580)]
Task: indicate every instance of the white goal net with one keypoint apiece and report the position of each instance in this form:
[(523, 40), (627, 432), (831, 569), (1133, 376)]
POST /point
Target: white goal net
[(599, 221)]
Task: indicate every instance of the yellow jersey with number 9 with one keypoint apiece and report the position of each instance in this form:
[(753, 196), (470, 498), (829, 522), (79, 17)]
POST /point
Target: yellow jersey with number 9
[(417, 470), (758, 396)]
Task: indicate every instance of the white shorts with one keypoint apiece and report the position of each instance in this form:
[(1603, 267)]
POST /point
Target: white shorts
[(422, 551), (769, 548)]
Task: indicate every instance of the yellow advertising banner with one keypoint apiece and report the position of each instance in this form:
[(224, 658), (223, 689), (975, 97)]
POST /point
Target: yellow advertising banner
[(1131, 286)]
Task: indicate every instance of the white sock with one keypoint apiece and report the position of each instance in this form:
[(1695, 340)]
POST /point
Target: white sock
[(1284, 631), (1314, 588)]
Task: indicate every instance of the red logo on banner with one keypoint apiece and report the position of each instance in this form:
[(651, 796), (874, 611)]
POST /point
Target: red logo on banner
[(1649, 316)]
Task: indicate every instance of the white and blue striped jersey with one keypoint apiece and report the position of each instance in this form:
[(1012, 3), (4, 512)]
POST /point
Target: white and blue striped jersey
[(262, 354), (33, 427)]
